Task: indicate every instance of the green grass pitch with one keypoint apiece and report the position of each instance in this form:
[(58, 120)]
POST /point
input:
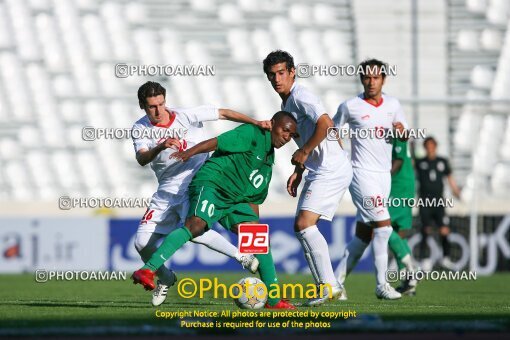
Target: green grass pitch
[(26, 304)]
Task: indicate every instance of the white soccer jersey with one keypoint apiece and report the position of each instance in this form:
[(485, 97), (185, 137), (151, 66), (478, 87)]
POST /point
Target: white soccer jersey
[(174, 176), (370, 153), (307, 108)]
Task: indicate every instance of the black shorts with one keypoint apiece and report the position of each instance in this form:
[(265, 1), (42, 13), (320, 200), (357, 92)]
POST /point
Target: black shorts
[(433, 217)]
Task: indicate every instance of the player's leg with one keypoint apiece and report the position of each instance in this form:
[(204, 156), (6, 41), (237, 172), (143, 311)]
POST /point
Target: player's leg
[(215, 241), (243, 213), (426, 231), (319, 200), (444, 233), (354, 250), (204, 210)]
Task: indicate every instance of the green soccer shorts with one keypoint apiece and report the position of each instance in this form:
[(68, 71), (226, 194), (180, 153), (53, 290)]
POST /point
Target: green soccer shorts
[(210, 205)]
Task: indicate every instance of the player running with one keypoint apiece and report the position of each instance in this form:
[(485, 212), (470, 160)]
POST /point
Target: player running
[(432, 170), (228, 188), (170, 202), (373, 112), (329, 170), (402, 188)]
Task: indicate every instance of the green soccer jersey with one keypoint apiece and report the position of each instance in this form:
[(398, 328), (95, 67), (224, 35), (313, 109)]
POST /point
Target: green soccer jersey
[(241, 166), (402, 183)]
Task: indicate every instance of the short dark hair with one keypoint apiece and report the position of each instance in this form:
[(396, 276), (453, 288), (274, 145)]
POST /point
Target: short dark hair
[(277, 57), (149, 89), (383, 67), (429, 139), (280, 114)]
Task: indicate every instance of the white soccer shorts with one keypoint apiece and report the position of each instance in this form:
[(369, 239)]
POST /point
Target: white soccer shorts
[(370, 191), (322, 194), (166, 212)]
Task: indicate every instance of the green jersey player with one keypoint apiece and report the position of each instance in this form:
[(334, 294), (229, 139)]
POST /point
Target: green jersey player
[(402, 189), (228, 189)]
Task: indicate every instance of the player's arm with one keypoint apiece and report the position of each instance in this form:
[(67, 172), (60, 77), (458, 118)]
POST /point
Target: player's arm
[(203, 147), (396, 165), (294, 180), (400, 124), (453, 186), (145, 156), (235, 116), (255, 208), (321, 128)]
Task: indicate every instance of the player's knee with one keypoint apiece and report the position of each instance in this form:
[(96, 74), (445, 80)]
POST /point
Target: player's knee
[(141, 241), (364, 232), (196, 226)]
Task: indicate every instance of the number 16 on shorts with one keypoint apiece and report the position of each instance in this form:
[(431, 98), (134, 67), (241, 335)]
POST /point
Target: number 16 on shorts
[(253, 238)]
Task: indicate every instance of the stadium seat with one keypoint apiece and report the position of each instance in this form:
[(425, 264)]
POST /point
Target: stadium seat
[(230, 14), (203, 5), (53, 52), (491, 39), (476, 6), (5, 33), (497, 12), (96, 38), (482, 77), (40, 5), (300, 14), (323, 15), (468, 40), (135, 13), (248, 5)]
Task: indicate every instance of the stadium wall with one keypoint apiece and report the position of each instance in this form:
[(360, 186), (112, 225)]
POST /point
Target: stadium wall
[(103, 243)]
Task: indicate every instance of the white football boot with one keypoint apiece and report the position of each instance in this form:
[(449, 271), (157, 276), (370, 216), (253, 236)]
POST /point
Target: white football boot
[(250, 262), (159, 294), (343, 295), (319, 300), (387, 292)]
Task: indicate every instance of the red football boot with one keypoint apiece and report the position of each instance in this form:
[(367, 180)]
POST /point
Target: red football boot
[(145, 277), (282, 304)]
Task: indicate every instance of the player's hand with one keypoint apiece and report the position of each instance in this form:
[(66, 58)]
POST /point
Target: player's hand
[(182, 156), (169, 143), (293, 183), (299, 158), (399, 126), (265, 124)]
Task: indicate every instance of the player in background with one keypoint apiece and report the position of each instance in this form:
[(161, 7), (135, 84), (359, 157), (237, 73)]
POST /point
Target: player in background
[(431, 172), (371, 161), (401, 213), (228, 188), (328, 165), (169, 204)]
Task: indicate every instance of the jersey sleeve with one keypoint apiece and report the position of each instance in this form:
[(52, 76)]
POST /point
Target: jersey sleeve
[(399, 149), (400, 116), (342, 115), (240, 139), (140, 143), (310, 105), (447, 168), (202, 113)]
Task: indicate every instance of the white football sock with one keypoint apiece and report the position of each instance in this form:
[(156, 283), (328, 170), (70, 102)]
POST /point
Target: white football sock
[(352, 254), (380, 252), (409, 263), (317, 255), (213, 240), (145, 244)]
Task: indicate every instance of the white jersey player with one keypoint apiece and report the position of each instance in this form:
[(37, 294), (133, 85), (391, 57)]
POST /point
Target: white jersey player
[(161, 132), (373, 119), (328, 165)]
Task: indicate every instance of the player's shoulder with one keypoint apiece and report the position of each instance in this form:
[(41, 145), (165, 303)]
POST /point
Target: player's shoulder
[(349, 103), (301, 93), (142, 122), (390, 100)]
